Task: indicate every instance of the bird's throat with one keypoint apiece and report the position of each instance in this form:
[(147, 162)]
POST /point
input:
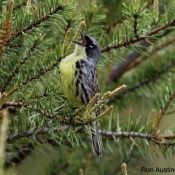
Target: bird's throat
[(79, 50)]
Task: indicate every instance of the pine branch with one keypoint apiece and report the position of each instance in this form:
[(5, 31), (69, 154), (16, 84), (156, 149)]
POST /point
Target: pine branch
[(61, 119), (152, 78), (161, 115), (34, 24), (95, 103), (35, 131), (135, 58), (27, 106), (119, 70), (41, 73), (123, 134), (16, 69), (139, 38), (160, 140)]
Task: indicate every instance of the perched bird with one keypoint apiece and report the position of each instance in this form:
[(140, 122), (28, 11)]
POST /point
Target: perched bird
[(79, 79)]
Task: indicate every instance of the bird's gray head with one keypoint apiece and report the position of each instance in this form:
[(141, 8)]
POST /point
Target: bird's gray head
[(91, 45)]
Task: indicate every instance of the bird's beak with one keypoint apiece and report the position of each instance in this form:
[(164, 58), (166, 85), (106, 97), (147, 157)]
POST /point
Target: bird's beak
[(83, 40)]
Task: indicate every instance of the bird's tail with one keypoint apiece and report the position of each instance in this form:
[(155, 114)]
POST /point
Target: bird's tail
[(96, 138)]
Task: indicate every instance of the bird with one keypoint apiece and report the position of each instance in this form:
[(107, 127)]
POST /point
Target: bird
[(79, 79)]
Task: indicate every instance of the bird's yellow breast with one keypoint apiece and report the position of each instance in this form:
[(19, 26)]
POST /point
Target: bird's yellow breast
[(68, 77)]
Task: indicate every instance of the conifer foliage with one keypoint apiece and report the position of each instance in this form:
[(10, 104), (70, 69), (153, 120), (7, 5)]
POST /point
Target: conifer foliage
[(136, 77)]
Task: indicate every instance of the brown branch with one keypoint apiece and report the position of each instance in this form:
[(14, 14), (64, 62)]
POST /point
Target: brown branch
[(27, 106), (160, 140), (167, 137), (139, 38), (162, 113), (14, 104), (130, 61)]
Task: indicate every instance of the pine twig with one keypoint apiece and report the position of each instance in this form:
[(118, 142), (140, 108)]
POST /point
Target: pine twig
[(162, 113), (35, 131), (17, 104), (139, 38), (15, 71), (130, 60), (153, 78), (126, 134), (34, 77), (34, 24), (135, 58), (99, 103), (160, 140)]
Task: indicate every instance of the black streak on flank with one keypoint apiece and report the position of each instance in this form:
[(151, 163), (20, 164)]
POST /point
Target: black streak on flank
[(77, 64), (83, 62), (82, 100), (76, 84), (85, 93), (76, 72), (80, 72), (93, 76)]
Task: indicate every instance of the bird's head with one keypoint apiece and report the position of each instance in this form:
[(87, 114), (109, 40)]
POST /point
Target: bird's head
[(90, 44)]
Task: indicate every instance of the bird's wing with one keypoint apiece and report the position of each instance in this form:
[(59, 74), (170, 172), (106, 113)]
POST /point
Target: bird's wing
[(88, 87), (86, 82)]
